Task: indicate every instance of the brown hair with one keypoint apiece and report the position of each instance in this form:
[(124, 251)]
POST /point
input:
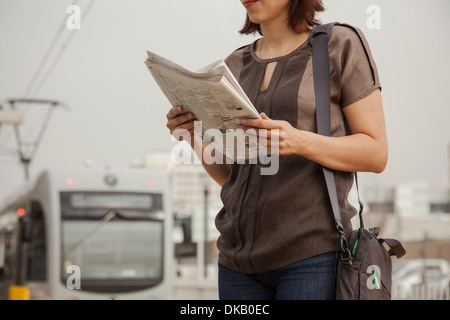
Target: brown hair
[(302, 13)]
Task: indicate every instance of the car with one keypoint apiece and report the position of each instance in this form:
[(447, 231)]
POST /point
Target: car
[(421, 279)]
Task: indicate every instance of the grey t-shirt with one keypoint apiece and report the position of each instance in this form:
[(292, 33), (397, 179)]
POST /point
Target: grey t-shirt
[(271, 221)]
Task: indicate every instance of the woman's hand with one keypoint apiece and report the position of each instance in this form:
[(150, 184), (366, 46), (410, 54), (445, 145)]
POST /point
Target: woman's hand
[(280, 136), (364, 150), (180, 123)]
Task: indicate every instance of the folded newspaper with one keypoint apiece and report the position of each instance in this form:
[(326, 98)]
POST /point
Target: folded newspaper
[(215, 97)]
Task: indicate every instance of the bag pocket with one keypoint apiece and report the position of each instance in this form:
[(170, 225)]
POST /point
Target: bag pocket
[(373, 285), (347, 282)]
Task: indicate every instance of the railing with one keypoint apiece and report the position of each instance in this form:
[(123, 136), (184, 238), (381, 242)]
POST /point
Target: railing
[(190, 282), (436, 290)]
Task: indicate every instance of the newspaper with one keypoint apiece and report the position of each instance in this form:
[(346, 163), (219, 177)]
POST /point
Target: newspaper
[(215, 97)]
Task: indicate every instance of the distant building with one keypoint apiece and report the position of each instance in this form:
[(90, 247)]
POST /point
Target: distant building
[(188, 183), (412, 199), (440, 200), (413, 213), (377, 199), (407, 210)]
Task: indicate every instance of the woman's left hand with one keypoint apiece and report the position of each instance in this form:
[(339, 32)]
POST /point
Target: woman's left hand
[(279, 136), (365, 149)]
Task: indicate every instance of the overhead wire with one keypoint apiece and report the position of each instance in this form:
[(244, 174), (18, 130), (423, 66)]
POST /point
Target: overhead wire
[(61, 51), (35, 85), (47, 55)]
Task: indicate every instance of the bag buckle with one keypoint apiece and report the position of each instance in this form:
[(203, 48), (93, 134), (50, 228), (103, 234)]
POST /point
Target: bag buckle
[(346, 255)]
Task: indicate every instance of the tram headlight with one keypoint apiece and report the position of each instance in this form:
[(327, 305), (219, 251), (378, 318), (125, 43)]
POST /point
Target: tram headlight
[(110, 180)]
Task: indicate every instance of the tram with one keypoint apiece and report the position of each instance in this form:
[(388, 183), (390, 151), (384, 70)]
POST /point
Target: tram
[(87, 233)]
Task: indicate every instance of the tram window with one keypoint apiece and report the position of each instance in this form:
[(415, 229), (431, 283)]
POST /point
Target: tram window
[(37, 253), (94, 205), (91, 200)]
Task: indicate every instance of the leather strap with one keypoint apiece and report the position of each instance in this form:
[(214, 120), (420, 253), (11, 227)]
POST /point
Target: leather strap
[(396, 248)]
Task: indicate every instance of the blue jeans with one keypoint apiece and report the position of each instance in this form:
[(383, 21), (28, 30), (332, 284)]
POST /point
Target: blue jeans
[(310, 279)]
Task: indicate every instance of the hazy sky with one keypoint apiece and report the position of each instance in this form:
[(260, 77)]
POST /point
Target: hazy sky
[(116, 113)]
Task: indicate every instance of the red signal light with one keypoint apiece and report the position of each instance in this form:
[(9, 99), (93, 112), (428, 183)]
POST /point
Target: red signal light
[(21, 211)]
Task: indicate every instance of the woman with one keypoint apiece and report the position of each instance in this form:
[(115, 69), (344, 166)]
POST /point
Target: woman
[(277, 234)]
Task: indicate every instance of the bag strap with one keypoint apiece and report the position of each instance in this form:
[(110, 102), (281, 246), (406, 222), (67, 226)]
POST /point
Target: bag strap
[(319, 38), (396, 248)]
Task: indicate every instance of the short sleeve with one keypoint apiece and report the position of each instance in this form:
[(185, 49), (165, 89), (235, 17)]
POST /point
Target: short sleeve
[(355, 70), (235, 62)]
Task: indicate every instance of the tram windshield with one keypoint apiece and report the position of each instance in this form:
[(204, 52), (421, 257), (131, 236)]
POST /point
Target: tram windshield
[(115, 239)]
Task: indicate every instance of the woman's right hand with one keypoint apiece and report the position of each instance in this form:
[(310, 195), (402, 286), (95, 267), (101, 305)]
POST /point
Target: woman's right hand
[(179, 123)]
